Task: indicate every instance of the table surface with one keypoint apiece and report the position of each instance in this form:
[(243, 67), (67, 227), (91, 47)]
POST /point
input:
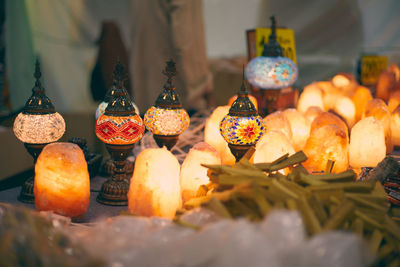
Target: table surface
[(94, 212)]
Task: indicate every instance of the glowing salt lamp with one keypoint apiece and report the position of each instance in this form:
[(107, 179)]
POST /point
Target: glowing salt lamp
[(328, 142), (395, 126), (252, 99), (345, 82), (367, 143), (327, 118), (378, 109), (331, 97), (311, 96), (394, 100), (386, 82), (155, 189), (213, 137), (272, 145), (62, 180), (299, 126), (277, 121), (193, 174), (346, 109), (360, 98), (312, 113)]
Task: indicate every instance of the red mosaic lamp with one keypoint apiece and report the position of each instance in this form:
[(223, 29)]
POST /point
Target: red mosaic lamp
[(167, 119), (119, 128), (242, 127)]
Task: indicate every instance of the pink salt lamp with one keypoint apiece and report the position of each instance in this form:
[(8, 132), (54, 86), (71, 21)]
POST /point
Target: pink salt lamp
[(154, 188), (394, 100), (346, 109), (395, 127), (360, 99), (312, 96), (312, 113), (299, 126), (326, 118), (193, 175), (277, 121), (62, 180)]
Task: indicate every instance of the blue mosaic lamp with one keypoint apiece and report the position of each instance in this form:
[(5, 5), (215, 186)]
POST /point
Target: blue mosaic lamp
[(271, 71), (242, 127)]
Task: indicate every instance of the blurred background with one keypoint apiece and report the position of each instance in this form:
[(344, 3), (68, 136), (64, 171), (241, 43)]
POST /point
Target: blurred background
[(78, 42)]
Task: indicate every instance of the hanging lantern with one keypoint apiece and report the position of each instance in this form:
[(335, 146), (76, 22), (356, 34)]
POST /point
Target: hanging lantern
[(326, 118), (360, 99), (62, 180), (167, 119), (193, 175), (300, 127), (310, 97), (378, 109), (367, 143), (271, 71), (242, 127), (37, 125), (325, 143), (119, 128), (277, 121), (154, 189), (213, 137)]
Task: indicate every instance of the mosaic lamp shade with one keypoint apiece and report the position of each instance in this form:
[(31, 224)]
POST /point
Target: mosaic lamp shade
[(36, 126), (242, 127), (167, 119), (271, 70)]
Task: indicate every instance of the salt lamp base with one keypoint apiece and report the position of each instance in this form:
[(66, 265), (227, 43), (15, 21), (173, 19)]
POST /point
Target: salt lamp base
[(26, 194), (239, 150), (166, 140), (114, 191)]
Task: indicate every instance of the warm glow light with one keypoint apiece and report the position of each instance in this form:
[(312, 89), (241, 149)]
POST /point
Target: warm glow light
[(367, 143), (378, 109), (164, 121), (395, 126), (312, 113), (62, 180), (272, 145), (39, 129), (271, 72), (300, 128), (119, 130), (277, 121), (346, 109), (154, 188), (327, 118), (193, 174), (213, 137), (360, 99), (310, 97), (394, 100), (328, 142), (239, 130), (252, 99)]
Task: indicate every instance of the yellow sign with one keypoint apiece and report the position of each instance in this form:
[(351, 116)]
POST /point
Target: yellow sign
[(371, 68), (285, 38)]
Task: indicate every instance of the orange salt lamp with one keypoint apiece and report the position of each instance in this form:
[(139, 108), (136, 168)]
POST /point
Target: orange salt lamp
[(330, 98), (277, 121), (193, 174), (271, 146), (62, 180), (312, 113), (360, 98), (346, 109), (345, 82), (299, 126), (213, 137), (327, 118), (378, 109), (311, 96), (328, 142), (395, 126), (394, 100), (386, 83), (154, 188), (367, 143), (252, 99)]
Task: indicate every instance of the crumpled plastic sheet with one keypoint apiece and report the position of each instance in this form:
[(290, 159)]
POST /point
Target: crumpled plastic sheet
[(279, 240)]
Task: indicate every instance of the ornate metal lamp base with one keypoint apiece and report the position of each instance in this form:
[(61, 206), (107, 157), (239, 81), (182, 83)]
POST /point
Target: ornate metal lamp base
[(166, 140), (239, 150), (26, 194), (114, 191)]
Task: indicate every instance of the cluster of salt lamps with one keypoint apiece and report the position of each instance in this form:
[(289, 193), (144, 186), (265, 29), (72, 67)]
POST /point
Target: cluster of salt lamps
[(300, 128), (62, 180)]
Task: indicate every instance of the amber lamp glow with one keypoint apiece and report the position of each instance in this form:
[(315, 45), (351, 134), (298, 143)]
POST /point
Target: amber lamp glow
[(155, 188), (37, 125), (242, 127), (300, 127), (167, 119), (119, 128), (62, 180)]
